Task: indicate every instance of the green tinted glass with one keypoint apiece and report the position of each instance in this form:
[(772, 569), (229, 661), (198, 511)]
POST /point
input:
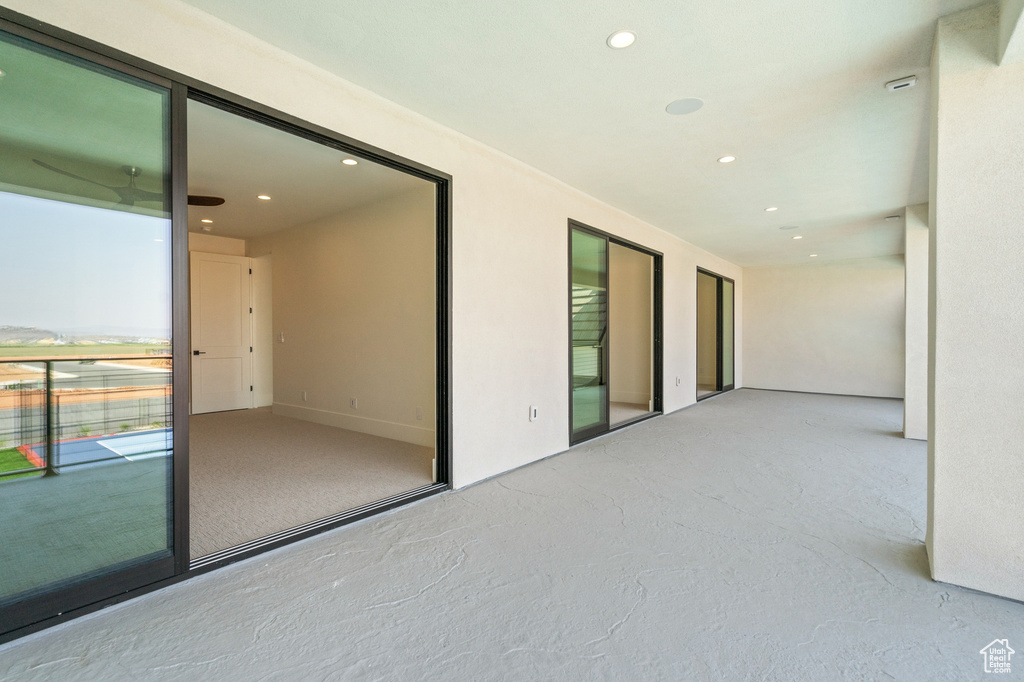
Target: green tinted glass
[(85, 318), (589, 332)]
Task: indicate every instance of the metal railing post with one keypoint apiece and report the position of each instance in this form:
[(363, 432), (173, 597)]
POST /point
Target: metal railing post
[(51, 469)]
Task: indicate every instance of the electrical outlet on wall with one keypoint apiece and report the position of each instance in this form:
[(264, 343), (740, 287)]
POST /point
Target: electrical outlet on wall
[(533, 413), (353, 403), (419, 414), (679, 381), (305, 396)]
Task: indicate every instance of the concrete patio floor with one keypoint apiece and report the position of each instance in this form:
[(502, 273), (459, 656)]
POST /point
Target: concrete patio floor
[(757, 535)]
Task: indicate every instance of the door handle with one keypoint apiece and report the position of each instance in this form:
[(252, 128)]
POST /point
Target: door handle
[(199, 352)]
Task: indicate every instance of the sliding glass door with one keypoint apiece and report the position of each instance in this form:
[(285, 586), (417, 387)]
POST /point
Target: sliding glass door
[(715, 335), (615, 335), (85, 332), (589, 296)]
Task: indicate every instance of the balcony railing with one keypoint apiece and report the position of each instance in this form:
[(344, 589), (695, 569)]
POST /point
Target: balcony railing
[(62, 412)]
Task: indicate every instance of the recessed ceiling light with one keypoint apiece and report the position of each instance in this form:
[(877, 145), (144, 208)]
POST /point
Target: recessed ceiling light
[(2, 73), (621, 39), (727, 159), (814, 255), (687, 105), (789, 227), (797, 237), (770, 209), (349, 162), (206, 220), (158, 240), (264, 197)]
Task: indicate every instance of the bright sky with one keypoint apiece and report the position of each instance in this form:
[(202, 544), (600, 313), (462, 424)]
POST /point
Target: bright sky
[(67, 267)]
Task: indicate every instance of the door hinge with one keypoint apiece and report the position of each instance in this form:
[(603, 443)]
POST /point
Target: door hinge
[(250, 349), (250, 271), (250, 311), (250, 388)]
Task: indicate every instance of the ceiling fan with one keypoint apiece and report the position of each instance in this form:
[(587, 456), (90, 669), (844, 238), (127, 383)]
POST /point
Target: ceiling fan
[(129, 193)]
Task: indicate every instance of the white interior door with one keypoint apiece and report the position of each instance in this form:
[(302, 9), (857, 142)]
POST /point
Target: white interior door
[(221, 333)]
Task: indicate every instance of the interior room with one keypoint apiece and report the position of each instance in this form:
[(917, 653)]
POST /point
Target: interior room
[(630, 334), (312, 330)]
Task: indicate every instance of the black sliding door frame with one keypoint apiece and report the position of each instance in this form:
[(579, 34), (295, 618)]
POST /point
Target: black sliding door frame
[(19, 617), (720, 386), (51, 608), (657, 386)]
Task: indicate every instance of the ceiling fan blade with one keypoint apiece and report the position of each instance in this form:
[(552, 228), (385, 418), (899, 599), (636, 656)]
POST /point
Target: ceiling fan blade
[(71, 175), (146, 195), (201, 200), (129, 194)]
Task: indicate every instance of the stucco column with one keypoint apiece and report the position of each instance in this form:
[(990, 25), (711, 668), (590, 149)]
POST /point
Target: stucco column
[(915, 272), (976, 301)]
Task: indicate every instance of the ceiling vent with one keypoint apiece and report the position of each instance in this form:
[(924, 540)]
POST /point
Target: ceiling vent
[(901, 84)]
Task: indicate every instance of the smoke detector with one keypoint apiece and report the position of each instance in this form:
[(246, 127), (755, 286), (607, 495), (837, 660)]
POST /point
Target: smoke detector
[(901, 84)]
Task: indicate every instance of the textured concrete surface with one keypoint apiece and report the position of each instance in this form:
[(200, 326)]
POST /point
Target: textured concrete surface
[(757, 535)]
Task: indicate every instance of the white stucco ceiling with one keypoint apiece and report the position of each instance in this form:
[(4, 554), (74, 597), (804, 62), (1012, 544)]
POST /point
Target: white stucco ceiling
[(793, 88)]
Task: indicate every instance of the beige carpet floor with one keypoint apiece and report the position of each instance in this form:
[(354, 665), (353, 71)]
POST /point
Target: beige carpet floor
[(620, 412), (254, 473), (705, 389)]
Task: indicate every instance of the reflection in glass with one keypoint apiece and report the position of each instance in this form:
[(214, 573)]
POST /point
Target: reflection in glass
[(589, 333), (631, 333), (85, 392)]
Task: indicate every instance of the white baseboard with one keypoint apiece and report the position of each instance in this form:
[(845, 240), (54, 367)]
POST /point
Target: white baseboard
[(629, 397), (375, 427)]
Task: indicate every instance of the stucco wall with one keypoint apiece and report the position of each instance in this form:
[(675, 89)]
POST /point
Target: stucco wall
[(915, 390), (826, 327), (975, 444)]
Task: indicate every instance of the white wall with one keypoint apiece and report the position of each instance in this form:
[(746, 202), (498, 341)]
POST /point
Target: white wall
[(353, 295), (826, 327), (211, 243), (262, 282), (630, 325), (915, 390), (509, 310), (976, 438)]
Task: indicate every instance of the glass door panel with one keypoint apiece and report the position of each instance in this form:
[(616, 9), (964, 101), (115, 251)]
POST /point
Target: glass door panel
[(727, 335), (707, 335), (85, 322), (589, 334), (631, 334)]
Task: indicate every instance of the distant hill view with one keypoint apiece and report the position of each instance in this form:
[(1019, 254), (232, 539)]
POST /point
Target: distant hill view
[(34, 336), (26, 335)]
